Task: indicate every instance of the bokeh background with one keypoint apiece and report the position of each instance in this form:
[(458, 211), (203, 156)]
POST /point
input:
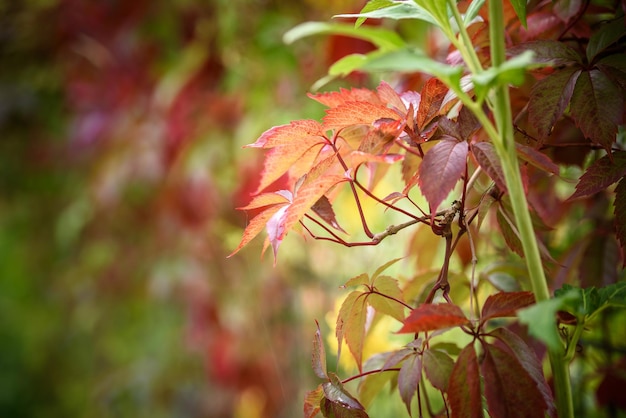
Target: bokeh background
[(121, 165)]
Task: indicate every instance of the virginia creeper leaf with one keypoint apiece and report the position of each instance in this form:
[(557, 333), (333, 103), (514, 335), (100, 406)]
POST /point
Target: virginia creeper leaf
[(276, 229), (604, 37), (620, 215), (433, 316), (388, 286), (338, 403), (505, 304), (351, 325), (464, 387), (353, 113), (430, 102), (537, 158), (299, 133), (256, 225), (384, 267), (487, 158), (597, 107), (509, 388), (529, 361), (390, 97), (318, 358), (438, 366), (361, 279), (268, 199), (409, 378), (373, 383), (442, 167), (312, 401), (550, 52), (343, 96), (324, 210), (549, 98), (601, 174)]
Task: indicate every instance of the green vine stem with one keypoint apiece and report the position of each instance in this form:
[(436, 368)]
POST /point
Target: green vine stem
[(505, 147)]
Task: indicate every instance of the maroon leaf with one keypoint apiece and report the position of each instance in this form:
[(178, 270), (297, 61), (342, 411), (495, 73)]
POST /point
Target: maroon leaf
[(597, 107), (318, 358), (620, 216), (438, 366), (549, 52), (509, 388), (529, 361), (549, 99), (488, 160), (505, 304), (324, 210), (432, 316), (464, 387), (442, 167), (536, 158), (409, 378), (601, 175)]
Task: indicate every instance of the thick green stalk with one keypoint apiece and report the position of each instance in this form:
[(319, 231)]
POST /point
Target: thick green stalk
[(505, 147)]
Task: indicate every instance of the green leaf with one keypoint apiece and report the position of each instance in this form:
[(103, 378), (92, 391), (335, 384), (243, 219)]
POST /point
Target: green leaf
[(439, 10), (541, 319), (438, 367), (604, 37), (472, 11), (379, 9), (520, 10), (512, 71), (387, 286), (382, 38), (351, 325), (410, 60)]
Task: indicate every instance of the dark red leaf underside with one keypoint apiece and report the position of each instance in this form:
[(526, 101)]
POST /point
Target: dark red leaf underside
[(509, 389), (464, 387), (487, 158), (443, 165), (597, 107), (620, 216), (537, 158), (549, 99), (505, 304), (529, 361), (601, 175), (408, 379), (433, 316)]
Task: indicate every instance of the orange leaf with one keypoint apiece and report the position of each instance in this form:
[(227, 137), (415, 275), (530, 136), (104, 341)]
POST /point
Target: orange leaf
[(300, 133), (337, 98), (432, 96), (355, 113), (279, 160), (256, 225), (268, 199), (433, 316)]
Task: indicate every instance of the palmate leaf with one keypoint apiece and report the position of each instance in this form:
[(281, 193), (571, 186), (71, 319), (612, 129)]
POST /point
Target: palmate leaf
[(509, 389), (442, 167), (464, 387), (373, 383), (601, 174), (343, 96), (433, 316), (549, 52), (597, 107), (536, 158)]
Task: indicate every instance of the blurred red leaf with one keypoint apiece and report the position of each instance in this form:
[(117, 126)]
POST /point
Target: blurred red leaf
[(337, 98), (433, 316)]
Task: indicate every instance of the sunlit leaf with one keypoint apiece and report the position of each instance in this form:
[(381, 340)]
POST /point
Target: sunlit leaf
[(442, 167), (353, 113), (509, 388), (280, 160), (343, 96), (433, 316), (299, 133), (550, 97), (276, 229), (409, 378), (351, 324), (390, 97), (529, 361), (268, 199), (256, 225), (464, 387), (438, 366), (536, 158), (597, 107), (505, 304), (601, 174)]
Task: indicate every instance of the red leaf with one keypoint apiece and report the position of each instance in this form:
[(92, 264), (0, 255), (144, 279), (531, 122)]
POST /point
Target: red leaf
[(256, 225), (357, 113), (536, 158), (620, 216), (324, 210), (390, 97), (432, 96), (549, 99), (318, 358), (505, 304), (529, 361), (443, 165), (601, 175), (299, 133), (509, 388), (409, 378), (433, 316), (338, 402), (337, 98), (464, 386), (488, 160), (597, 107), (279, 160)]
